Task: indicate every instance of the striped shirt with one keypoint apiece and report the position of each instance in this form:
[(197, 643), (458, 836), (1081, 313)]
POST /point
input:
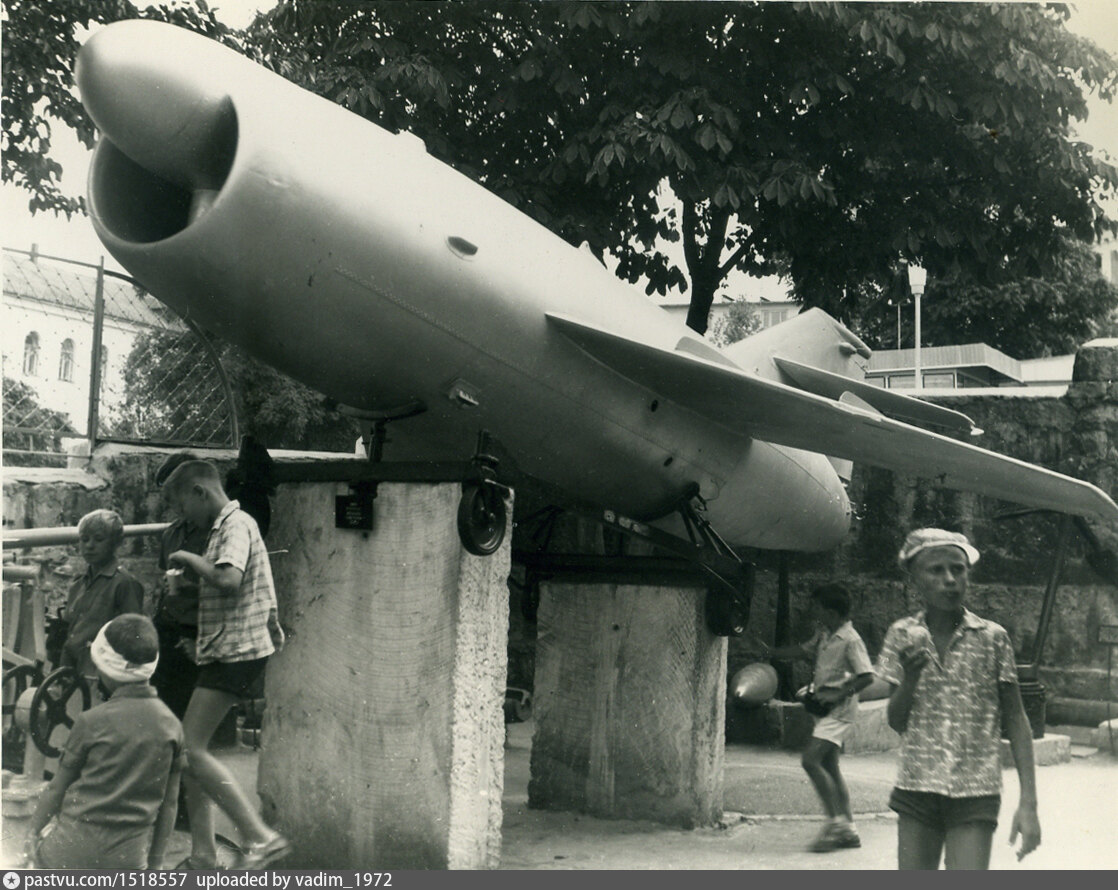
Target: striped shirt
[(245, 625), (951, 746)]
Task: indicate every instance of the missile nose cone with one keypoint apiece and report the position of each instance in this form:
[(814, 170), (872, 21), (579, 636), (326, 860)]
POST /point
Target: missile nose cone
[(156, 92)]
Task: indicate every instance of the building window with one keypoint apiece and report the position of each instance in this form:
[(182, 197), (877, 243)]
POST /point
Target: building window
[(939, 380), (66, 361), (31, 355)]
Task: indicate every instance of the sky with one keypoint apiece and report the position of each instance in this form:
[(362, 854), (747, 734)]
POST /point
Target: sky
[(75, 239)]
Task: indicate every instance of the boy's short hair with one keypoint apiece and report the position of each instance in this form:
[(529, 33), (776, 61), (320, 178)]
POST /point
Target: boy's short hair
[(192, 472), (107, 519), (834, 597), (134, 637), (172, 463)]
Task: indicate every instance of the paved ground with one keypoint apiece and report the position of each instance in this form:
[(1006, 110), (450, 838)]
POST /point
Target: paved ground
[(775, 820), (1079, 821)]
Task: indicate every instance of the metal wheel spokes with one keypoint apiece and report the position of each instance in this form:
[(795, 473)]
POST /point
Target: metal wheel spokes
[(50, 706), (22, 677)]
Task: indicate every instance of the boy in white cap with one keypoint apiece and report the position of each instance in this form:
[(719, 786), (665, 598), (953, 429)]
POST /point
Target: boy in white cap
[(114, 795), (954, 684)]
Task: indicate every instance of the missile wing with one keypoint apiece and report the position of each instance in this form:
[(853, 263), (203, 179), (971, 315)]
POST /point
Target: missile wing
[(851, 429)]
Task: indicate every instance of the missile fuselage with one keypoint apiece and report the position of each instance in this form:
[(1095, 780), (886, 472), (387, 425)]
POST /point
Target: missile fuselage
[(347, 257)]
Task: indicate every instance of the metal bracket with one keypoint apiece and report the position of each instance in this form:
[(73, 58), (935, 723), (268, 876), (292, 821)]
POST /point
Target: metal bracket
[(729, 579)]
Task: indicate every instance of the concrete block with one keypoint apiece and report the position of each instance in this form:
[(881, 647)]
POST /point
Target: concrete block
[(871, 731), (21, 796), (792, 723), (1048, 750), (382, 739), (629, 703), (778, 724), (1105, 737)]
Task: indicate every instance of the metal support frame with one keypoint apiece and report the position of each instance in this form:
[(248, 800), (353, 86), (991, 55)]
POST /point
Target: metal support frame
[(94, 413), (1064, 539), (729, 579)]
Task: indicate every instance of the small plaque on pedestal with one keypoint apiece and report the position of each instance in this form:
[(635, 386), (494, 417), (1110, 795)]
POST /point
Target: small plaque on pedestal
[(354, 511)]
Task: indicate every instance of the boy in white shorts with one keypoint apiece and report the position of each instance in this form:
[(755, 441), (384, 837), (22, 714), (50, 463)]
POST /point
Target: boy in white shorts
[(842, 669)]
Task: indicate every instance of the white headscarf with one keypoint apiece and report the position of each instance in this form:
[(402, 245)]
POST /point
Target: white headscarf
[(114, 665)]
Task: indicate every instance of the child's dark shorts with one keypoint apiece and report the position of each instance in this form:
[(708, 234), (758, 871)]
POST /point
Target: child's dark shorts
[(943, 812), (244, 679)]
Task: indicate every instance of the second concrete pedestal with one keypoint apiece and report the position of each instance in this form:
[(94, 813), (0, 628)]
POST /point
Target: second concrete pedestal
[(629, 703)]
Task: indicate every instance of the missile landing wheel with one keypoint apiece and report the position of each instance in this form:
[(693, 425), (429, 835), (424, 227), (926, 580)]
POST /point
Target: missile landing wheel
[(49, 707), (482, 518)]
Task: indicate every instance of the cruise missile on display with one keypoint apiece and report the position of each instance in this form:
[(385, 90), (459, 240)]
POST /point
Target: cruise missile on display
[(347, 257)]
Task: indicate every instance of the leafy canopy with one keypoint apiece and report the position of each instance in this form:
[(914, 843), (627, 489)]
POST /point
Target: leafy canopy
[(824, 141), (41, 41), (827, 142)]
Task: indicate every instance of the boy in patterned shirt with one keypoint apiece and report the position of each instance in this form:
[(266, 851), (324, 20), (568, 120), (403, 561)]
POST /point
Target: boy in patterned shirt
[(954, 685), (238, 629)]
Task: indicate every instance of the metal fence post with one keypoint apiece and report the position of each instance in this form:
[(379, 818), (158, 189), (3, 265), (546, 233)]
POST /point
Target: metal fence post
[(95, 358)]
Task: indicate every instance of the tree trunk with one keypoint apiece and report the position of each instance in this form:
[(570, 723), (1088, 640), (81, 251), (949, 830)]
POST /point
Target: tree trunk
[(702, 298)]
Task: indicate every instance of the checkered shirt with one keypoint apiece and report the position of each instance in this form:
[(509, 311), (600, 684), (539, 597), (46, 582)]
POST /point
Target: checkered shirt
[(243, 626), (951, 746)]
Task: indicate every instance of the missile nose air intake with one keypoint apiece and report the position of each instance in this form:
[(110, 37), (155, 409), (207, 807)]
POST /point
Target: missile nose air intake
[(168, 125)]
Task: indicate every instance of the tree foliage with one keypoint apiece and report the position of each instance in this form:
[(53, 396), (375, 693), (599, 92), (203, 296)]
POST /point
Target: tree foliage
[(29, 427), (825, 140), (41, 42), (1050, 313), (164, 397), (738, 322), (829, 142)]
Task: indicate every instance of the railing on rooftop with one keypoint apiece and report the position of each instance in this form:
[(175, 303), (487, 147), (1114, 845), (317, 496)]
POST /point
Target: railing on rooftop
[(88, 353)]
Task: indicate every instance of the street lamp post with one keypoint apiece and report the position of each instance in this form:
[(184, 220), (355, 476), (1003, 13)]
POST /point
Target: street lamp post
[(917, 278)]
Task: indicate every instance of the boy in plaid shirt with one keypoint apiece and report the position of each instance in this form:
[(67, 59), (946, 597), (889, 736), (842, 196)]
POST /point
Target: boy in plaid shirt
[(238, 629)]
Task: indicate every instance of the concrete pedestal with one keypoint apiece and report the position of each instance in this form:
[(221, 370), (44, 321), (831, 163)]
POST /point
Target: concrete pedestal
[(1105, 737), (629, 703), (1048, 750), (383, 733)]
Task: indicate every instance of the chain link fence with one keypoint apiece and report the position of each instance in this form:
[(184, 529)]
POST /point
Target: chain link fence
[(88, 354)]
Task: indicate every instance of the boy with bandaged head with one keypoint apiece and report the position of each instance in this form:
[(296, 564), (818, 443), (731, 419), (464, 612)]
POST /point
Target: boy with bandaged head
[(112, 801)]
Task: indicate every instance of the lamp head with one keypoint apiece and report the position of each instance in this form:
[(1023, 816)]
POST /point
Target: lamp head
[(917, 278)]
